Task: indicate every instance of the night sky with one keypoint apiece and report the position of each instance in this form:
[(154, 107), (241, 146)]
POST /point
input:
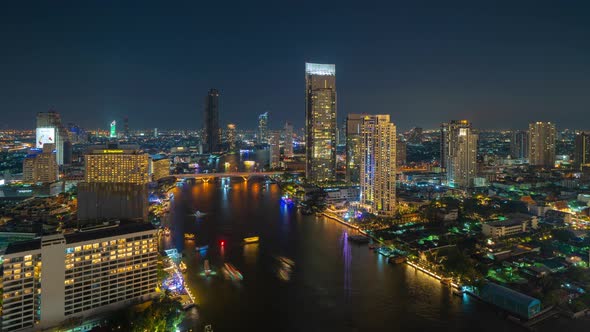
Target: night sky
[(501, 64)]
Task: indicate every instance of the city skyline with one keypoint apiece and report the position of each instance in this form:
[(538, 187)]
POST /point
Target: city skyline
[(424, 65)]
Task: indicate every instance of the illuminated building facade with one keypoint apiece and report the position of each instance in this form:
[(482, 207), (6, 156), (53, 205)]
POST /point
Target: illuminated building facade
[(274, 149), (378, 169), (542, 144), (114, 163), (113, 131), (160, 168), (353, 147), (59, 277), (41, 167), (263, 128), (212, 131), (115, 183), (459, 153), (519, 145), (582, 150), (51, 130), (288, 148), (231, 137), (320, 122)]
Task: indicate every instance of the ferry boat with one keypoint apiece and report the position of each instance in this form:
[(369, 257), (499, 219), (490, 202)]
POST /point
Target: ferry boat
[(182, 267), (252, 239), (206, 267), (201, 248), (396, 259), (189, 236), (232, 273), (361, 239)]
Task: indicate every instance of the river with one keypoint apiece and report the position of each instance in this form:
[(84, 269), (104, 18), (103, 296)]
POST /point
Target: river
[(334, 284)]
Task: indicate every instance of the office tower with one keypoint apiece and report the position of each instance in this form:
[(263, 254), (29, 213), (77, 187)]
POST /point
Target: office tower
[(55, 278), (113, 131), (519, 145), (263, 128), (320, 122), (459, 153), (542, 144), (582, 150), (231, 137), (155, 132), (400, 152), (378, 139), (51, 130), (41, 167), (288, 149), (115, 184), (353, 147), (212, 132), (160, 168), (274, 149)]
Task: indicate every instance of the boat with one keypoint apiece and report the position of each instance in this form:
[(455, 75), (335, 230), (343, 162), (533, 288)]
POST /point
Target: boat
[(396, 259), (199, 214), (252, 239), (286, 261), (189, 236), (360, 239), (182, 267), (206, 267), (201, 248), (231, 272)]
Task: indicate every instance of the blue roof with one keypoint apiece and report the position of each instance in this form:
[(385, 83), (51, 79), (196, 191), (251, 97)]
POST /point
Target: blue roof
[(509, 293)]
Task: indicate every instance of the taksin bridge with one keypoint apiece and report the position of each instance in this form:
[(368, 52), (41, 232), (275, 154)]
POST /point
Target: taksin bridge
[(206, 177)]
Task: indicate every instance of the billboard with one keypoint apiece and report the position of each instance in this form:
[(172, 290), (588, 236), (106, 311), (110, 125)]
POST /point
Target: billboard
[(45, 135)]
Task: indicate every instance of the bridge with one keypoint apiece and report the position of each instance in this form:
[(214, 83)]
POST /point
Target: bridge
[(206, 177)]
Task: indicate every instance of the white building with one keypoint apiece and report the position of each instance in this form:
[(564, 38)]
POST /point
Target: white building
[(515, 224), (59, 277)]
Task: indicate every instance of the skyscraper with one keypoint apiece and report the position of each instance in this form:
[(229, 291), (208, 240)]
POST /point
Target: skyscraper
[(582, 150), (212, 133), (353, 147), (459, 152), (378, 168), (542, 144), (288, 149), (320, 122), (115, 183), (231, 137), (51, 130), (41, 167), (263, 128), (519, 145), (113, 133), (274, 149), (400, 152)]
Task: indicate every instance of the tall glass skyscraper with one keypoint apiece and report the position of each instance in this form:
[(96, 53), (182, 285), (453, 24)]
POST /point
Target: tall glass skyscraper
[(459, 152), (212, 132), (320, 122), (263, 128), (353, 147)]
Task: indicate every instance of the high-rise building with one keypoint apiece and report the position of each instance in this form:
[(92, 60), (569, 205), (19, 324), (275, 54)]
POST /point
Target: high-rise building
[(113, 131), (212, 132), (41, 167), (582, 150), (459, 153), (55, 278), (400, 152), (288, 148), (542, 144), (126, 120), (274, 149), (160, 168), (115, 184), (353, 147), (378, 170), (519, 145), (263, 128), (231, 137), (51, 130), (320, 122)]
